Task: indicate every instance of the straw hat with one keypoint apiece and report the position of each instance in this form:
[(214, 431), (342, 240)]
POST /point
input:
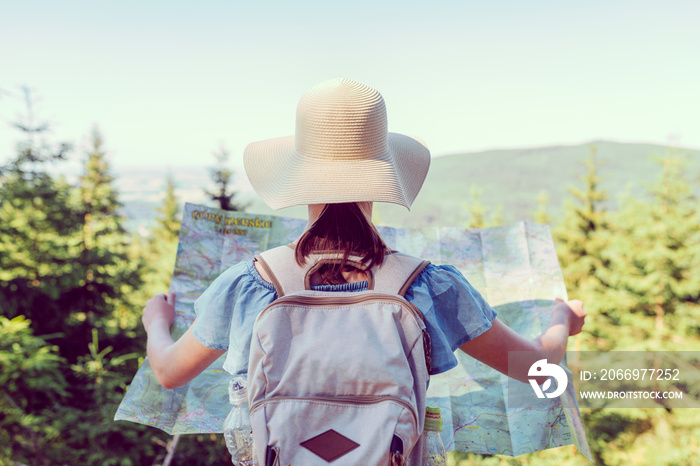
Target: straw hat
[(341, 152)]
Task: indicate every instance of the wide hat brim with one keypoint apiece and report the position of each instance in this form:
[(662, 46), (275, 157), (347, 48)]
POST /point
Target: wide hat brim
[(283, 177)]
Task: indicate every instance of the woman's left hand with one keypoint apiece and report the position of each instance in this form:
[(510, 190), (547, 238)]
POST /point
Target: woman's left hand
[(159, 307), (575, 313), (174, 363)]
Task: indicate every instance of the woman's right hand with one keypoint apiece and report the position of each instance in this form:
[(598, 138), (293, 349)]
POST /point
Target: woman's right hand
[(159, 308)]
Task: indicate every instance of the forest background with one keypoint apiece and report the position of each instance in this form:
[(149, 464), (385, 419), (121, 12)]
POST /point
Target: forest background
[(73, 281)]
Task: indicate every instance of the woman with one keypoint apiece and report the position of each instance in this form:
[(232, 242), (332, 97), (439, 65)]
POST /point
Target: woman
[(341, 160)]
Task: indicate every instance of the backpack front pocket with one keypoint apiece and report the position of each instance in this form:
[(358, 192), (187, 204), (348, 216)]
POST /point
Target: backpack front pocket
[(341, 430)]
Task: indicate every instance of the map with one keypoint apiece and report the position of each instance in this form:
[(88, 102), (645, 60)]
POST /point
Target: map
[(515, 268)]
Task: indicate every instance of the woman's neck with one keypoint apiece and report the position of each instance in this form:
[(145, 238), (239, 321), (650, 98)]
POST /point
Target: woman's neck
[(315, 210)]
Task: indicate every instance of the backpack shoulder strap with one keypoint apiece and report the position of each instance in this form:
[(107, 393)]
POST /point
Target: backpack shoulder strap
[(397, 273), (394, 276), (285, 274)]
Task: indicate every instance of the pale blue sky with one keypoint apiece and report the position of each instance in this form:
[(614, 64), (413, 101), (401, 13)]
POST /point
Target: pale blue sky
[(167, 82)]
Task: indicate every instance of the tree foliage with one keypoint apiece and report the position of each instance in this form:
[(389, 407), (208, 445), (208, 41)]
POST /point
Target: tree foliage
[(109, 276), (168, 220), (652, 260), (581, 240), (39, 227), (160, 248), (32, 384), (541, 215), (480, 215), (65, 268), (636, 269)]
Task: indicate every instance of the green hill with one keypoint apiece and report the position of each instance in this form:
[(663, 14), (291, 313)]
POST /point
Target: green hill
[(514, 178)]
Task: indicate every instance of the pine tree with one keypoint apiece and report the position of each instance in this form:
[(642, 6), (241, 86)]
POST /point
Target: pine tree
[(581, 240), (161, 247), (478, 212), (221, 176), (653, 260), (541, 215), (579, 251), (109, 276), (38, 227), (168, 221)]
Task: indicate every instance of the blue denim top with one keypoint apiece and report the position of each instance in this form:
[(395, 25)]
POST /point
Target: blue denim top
[(453, 310)]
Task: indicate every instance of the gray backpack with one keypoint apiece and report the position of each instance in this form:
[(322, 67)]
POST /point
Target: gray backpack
[(338, 377)]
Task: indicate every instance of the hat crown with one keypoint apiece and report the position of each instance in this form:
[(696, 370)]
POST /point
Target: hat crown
[(341, 119), (341, 152)]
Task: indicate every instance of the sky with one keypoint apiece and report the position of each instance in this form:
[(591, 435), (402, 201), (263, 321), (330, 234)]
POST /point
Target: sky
[(168, 83)]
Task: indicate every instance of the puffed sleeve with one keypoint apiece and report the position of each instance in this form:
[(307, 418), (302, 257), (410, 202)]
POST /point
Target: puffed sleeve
[(453, 310), (215, 307), (229, 306)]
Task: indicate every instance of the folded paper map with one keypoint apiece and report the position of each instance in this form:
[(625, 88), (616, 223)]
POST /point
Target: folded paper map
[(515, 268)]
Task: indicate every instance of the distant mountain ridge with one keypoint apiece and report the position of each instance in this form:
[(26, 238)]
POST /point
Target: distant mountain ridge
[(511, 178), (514, 178)]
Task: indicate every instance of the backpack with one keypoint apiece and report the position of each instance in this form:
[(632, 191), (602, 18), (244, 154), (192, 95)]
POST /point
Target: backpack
[(338, 376)]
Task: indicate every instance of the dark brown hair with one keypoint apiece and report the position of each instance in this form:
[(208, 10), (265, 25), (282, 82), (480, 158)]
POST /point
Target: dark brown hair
[(342, 228)]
